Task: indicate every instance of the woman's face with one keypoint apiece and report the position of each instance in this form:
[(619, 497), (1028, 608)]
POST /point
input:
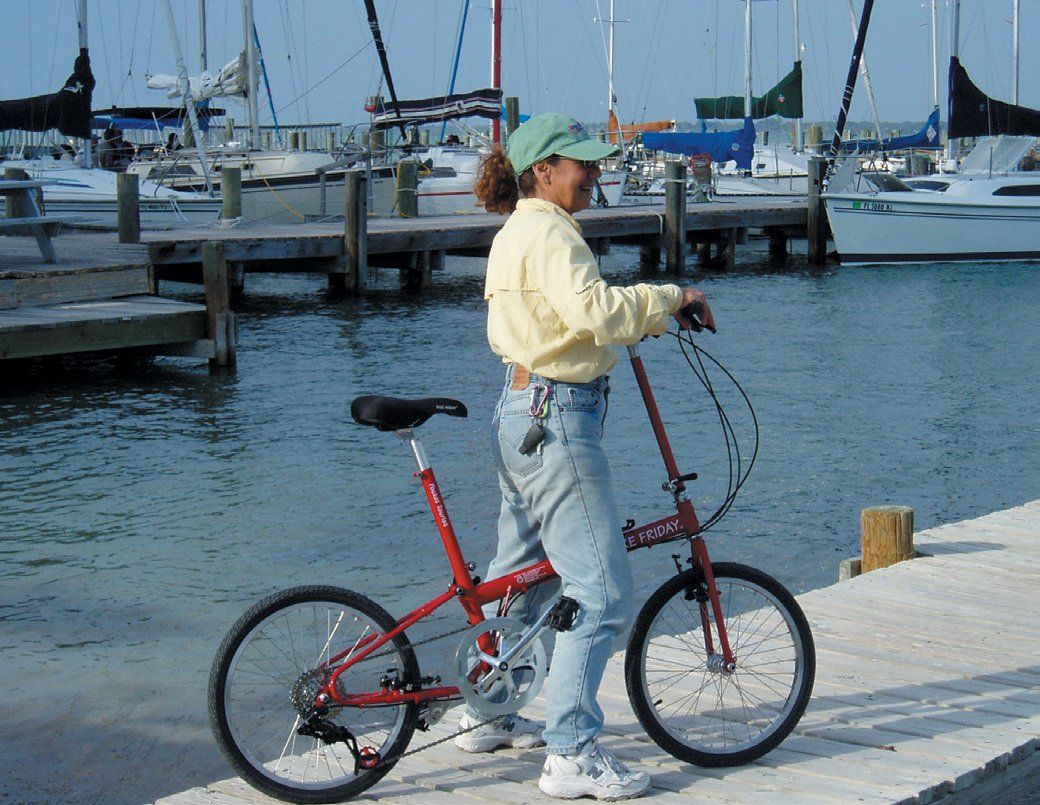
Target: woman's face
[(567, 183)]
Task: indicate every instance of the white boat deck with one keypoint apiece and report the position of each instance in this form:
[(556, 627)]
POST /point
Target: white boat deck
[(927, 689)]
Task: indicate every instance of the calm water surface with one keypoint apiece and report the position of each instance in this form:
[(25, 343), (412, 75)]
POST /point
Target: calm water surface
[(142, 512)]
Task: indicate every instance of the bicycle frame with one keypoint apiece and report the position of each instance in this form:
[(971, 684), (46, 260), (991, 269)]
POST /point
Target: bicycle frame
[(474, 595)]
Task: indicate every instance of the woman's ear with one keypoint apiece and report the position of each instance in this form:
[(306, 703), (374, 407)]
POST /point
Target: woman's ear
[(541, 172)]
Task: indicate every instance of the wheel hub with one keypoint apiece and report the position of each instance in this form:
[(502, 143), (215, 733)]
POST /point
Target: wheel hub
[(306, 689)]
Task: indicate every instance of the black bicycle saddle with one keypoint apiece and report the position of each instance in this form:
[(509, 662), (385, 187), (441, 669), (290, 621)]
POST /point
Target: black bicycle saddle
[(390, 413)]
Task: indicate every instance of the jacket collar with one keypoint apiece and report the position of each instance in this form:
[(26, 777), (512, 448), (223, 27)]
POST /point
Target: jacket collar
[(547, 206)]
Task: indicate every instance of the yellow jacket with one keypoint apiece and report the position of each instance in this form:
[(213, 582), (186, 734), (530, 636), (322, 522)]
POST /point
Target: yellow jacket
[(548, 307)]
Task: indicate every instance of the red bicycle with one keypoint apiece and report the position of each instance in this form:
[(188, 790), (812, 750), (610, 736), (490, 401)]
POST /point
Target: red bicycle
[(316, 691)]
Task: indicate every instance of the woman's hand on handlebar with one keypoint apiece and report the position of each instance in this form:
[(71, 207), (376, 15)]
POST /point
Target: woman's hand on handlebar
[(695, 313)]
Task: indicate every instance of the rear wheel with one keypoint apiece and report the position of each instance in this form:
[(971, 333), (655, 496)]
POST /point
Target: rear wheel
[(685, 698), (276, 653)]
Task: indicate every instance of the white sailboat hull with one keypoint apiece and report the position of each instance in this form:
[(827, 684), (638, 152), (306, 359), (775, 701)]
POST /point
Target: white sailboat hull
[(966, 223)]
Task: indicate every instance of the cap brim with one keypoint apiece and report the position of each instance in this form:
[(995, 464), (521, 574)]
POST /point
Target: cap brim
[(589, 150)]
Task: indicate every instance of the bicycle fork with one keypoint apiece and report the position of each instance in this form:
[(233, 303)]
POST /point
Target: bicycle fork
[(710, 608)]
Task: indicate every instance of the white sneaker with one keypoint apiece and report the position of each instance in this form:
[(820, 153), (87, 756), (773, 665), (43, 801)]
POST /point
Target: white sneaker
[(593, 772), (513, 731)]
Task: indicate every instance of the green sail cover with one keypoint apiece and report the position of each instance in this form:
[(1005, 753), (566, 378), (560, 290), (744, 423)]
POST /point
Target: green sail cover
[(785, 99)]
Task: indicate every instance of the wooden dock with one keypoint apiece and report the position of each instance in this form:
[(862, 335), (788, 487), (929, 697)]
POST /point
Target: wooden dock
[(97, 295), (419, 245), (927, 690)]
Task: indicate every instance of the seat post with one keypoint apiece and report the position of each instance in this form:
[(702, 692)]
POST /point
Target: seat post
[(460, 570)]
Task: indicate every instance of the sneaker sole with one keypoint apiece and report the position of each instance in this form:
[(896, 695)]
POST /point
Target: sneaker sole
[(573, 789), (479, 745)]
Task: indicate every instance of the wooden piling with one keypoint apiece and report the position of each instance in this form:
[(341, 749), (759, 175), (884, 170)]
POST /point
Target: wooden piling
[(294, 141), (128, 208), (407, 188), (220, 321), (816, 223), (231, 192), (14, 203), (675, 217), (330, 142), (355, 232), (777, 243), (815, 137), (377, 141), (512, 115), (229, 129), (887, 536), (650, 252)]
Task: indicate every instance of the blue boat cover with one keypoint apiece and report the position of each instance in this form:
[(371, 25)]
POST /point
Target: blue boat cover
[(927, 137), (150, 117), (723, 146)]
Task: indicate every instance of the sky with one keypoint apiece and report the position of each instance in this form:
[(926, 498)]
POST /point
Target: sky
[(322, 64)]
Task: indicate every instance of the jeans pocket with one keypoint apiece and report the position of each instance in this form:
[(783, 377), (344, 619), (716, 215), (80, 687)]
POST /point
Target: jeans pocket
[(579, 398), (511, 433)]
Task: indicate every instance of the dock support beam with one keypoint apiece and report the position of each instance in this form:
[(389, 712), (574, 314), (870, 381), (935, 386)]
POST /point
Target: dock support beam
[(354, 276), (650, 253), (816, 225), (220, 321), (231, 192), (418, 273), (675, 217), (128, 208), (777, 243)]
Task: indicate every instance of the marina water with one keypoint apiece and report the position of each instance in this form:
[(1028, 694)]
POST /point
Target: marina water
[(142, 511)]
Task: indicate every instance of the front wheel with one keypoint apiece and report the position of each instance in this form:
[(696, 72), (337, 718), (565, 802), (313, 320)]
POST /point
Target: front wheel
[(276, 656), (685, 698)]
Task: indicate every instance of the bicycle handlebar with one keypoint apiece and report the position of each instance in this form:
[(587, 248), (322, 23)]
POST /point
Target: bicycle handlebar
[(693, 312)]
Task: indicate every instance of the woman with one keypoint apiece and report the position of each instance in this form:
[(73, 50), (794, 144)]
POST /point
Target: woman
[(553, 320)]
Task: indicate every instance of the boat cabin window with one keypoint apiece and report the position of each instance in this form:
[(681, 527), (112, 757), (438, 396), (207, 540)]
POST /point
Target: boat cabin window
[(1018, 190), (929, 184), (885, 182)]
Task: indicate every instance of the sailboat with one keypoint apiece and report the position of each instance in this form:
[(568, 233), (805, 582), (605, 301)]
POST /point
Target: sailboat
[(988, 211), (81, 192)]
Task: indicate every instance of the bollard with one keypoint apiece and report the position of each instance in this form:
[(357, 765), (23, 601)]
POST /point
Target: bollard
[(887, 536), (675, 217), (816, 223), (355, 231), (407, 200), (512, 115), (231, 192), (128, 208)]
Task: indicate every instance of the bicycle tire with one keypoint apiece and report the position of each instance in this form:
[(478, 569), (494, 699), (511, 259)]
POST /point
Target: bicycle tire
[(259, 661), (748, 711)]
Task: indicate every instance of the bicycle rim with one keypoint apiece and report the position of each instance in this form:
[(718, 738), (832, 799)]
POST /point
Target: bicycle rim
[(683, 696), (266, 654)]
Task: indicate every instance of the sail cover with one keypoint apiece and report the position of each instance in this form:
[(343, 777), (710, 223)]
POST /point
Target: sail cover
[(975, 114), (231, 82), (926, 137), (67, 110), (785, 100), (479, 103), (615, 131), (150, 117), (723, 146)]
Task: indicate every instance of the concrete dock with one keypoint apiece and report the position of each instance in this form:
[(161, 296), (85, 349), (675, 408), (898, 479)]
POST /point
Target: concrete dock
[(927, 690)]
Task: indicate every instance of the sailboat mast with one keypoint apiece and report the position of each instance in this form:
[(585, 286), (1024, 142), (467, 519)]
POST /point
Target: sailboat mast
[(935, 52), (955, 47), (496, 63), (1014, 52), (88, 155), (203, 56), (798, 58), (747, 59), (610, 65), (254, 112), (866, 77), (850, 81)]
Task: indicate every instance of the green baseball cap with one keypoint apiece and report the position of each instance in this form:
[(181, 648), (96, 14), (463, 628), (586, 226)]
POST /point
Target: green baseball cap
[(551, 134)]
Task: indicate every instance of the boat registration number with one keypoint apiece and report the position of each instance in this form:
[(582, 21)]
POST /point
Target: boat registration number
[(878, 206)]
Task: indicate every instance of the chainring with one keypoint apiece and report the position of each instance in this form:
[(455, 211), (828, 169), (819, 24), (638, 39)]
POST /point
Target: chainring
[(488, 688)]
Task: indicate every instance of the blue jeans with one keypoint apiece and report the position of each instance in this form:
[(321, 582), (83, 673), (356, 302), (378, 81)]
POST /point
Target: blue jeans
[(558, 502)]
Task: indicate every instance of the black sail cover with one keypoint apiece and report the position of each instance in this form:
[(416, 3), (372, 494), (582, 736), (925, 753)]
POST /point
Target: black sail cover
[(975, 114), (67, 110)]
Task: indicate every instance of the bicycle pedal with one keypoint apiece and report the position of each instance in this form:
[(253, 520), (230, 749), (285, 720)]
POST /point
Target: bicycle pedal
[(561, 618)]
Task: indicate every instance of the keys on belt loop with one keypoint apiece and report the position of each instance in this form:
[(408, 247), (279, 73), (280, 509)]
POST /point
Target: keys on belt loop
[(539, 410)]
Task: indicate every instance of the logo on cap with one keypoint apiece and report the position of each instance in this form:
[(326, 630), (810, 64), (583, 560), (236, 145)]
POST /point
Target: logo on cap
[(576, 128)]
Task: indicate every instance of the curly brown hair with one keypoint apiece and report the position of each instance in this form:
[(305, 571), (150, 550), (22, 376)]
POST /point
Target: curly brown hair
[(498, 188)]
